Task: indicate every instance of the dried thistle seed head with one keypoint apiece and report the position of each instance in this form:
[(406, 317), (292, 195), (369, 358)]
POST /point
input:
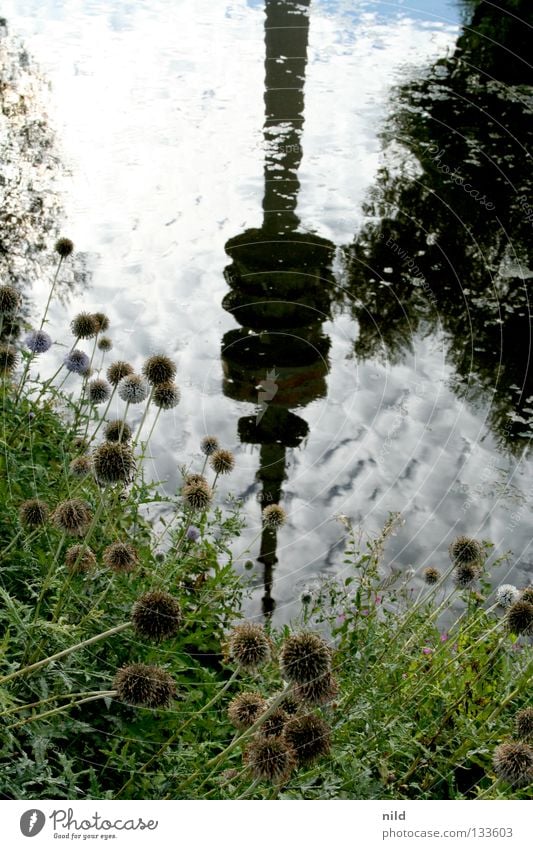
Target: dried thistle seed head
[(77, 361), (290, 704), (117, 371), (99, 391), (273, 516), (527, 594), (523, 723), (245, 708), (73, 516), (270, 759), (519, 618), (156, 616), (80, 443), (84, 326), (465, 575), (102, 321), (506, 595), (113, 462), (466, 550), (159, 369), (196, 478), (33, 512), (79, 558), (166, 396), (209, 445), (118, 431), (310, 737), (304, 658), (321, 691), (80, 467), (197, 496), (133, 389), (249, 646), (513, 762), (9, 300), (431, 575), (143, 685), (222, 461), (64, 247), (8, 358), (104, 343), (38, 342), (121, 557), (274, 724)]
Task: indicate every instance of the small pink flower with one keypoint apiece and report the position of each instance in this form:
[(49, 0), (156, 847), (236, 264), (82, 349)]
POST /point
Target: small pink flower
[(444, 636), (379, 599), (427, 650), (340, 618), (364, 612)]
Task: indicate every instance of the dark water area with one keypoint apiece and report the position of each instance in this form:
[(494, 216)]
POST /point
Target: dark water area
[(322, 209)]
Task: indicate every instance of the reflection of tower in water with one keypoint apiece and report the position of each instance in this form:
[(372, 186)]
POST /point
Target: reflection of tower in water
[(280, 282)]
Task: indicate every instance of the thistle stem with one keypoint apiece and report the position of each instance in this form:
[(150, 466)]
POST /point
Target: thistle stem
[(101, 695)]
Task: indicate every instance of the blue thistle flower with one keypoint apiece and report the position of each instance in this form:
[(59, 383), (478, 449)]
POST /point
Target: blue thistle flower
[(38, 341), (192, 533), (77, 361)]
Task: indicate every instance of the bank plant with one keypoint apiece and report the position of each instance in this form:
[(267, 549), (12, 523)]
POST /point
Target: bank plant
[(128, 669)]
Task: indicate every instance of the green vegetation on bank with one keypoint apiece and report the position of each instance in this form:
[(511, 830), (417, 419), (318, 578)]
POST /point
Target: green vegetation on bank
[(127, 671)]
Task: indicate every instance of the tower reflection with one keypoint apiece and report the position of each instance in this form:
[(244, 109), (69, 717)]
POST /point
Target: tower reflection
[(280, 283)]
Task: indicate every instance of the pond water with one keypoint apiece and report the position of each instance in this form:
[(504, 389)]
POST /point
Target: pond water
[(318, 209)]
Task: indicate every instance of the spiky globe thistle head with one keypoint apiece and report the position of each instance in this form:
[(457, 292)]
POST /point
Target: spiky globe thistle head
[(431, 575), (270, 759), (222, 461), (197, 495), (38, 342), (102, 321), (309, 735), (84, 325), (159, 369), (113, 462), (513, 762), (73, 516), (118, 431), (523, 723), (319, 692), (64, 247), (166, 395), (77, 361), (519, 618), (209, 445), (290, 704), (99, 391), (104, 343), (33, 513), (465, 575), (527, 594), (245, 708), (195, 477), (79, 558), (8, 358), (117, 371), (273, 516), (80, 443), (80, 467), (465, 550), (144, 685), (506, 595), (133, 389), (249, 646), (156, 616), (275, 723), (121, 557), (9, 300), (304, 658)]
